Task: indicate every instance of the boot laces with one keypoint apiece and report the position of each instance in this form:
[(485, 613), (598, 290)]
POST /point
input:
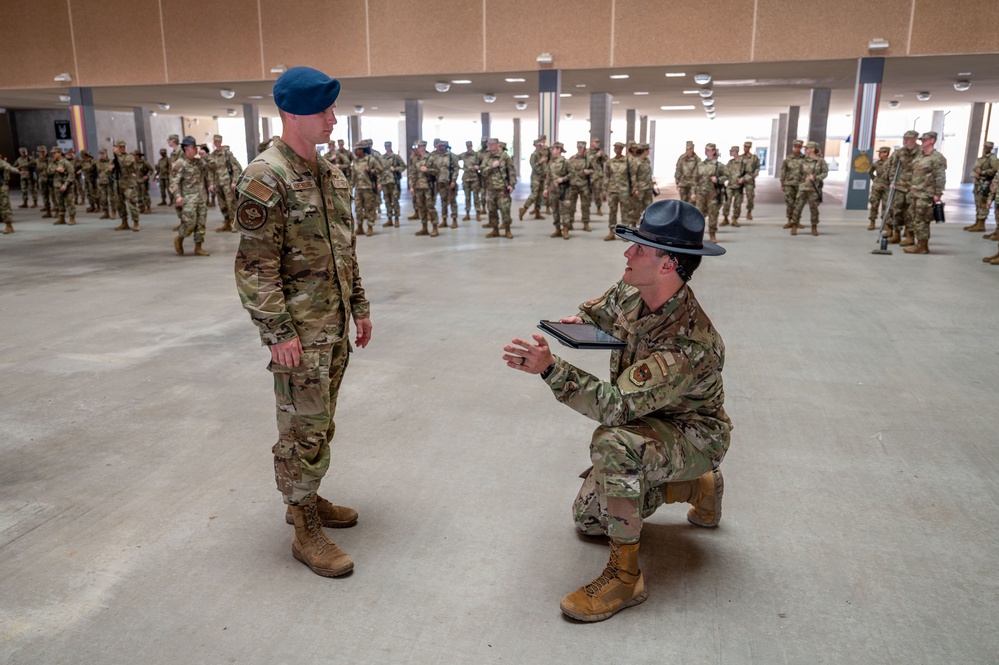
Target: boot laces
[(314, 527), (610, 573)]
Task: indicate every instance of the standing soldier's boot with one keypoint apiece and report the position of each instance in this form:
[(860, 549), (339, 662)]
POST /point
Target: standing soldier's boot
[(895, 238), (415, 215), (537, 214), (423, 231), (735, 222), (10, 229), (34, 203), (610, 235), (586, 226), (104, 215), (226, 226), (23, 205), (434, 232), (313, 547), (198, 251), (815, 229), (711, 236), (704, 494), (908, 241), (454, 222), (72, 220), (494, 233), (521, 212), (977, 227), (506, 229), (396, 223), (389, 222), (467, 217), (987, 259), (788, 225), (870, 227), (371, 230), (135, 225), (47, 214), (724, 221), (921, 247), (621, 585), (794, 229), (61, 219), (749, 215), (123, 226), (178, 245)]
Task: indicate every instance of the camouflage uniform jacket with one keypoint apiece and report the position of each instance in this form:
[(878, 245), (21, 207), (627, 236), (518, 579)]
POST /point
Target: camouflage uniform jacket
[(668, 376), (985, 167), (88, 169), (163, 167), (539, 165), (616, 175), (393, 165), (339, 160), (501, 176), (686, 168), (68, 175), (128, 175), (929, 175), (42, 167), (469, 160), (598, 159), (187, 180), (418, 179), (364, 172), (558, 167), (24, 164), (705, 171), (7, 169), (224, 168), (175, 155), (879, 173), (446, 166), (906, 157), (733, 171), (577, 178), (750, 168), (790, 170), (103, 171), (815, 167), (296, 266), (641, 174)]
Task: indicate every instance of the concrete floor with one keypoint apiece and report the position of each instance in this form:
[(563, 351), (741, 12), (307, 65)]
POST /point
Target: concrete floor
[(139, 520)]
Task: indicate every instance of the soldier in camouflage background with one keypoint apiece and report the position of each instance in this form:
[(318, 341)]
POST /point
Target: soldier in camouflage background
[(189, 192), (597, 158), (878, 172), (163, 176), (145, 173), (446, 165), (421, 172), (224, 170), (107, 202), (26, 166), (733, 191), (5, 212), (470, 182), (301, 290), (556, 186), (929, 176), (686, 166), (62, 179), (901, 161), (128, 194), (663, 430), (708, 185), (539, 174), (365, 171), (616, 189), (814, 171), (44, 187), (393, 167), (984, 171), (88, 175), (750, 170), (500, 178), (641, 181), (994, 259), (484, 156), (580, 187), (791, 177), (338, 159)]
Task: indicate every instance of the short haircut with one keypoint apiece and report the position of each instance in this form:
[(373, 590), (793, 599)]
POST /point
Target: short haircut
[(686, 263)]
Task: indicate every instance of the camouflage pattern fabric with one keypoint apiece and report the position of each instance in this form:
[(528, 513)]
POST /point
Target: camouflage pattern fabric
[(898, 217), (128, 192), (499, 174), (808, 191), (365, 172), (750, 170), (5, 212), (641, 183), (733, 190), (616, 186), (929, 176), (423, 198), (579, 189), (470, 181), (394, 164), (539, 173), (684, 175), (187, 180), (44, 189), (790, 180), (297, 276), (598, 159), (707, 191), (107, 195), (985, 171), (63, 185), (558, 167), (24, 165), (878, 196), (661, 415), (224, 170)]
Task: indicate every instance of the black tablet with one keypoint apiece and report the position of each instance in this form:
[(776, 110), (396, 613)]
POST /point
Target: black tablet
[(581, 335)]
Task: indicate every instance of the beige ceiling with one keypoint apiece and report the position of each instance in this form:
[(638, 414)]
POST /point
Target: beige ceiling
[(740, 90)]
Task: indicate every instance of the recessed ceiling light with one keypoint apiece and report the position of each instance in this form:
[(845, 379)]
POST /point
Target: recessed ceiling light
[(566, 94), (900, 96), (515, 80), (619, 76), (374, 108), (580, 85), (255, 97), (675, 75), (641, 93), (691, 92), (964, 73), (616, 101), (521, 96), (681, 107), (460, 81)]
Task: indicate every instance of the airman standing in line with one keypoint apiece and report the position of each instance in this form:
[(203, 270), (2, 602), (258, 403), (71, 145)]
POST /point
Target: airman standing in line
[(500, 178), (470, 181), (878, 171), (597, 158), (421, 173), (616, 189), (88, 172), (44, 183), (62, 177), (128, 196), (446, 165), (580, 186), (556, 185), (163, 175), (5, 212), (641, 180), (985, 171), (708, 188), (106, 200), (790, 179), (814, 171), (929, 176), (391, 182), (539, 174), (187, 185), (224, 171), (365, 171), (686, 167), (898, 215), (750, 169), (733, 190), (25, 166), (484, 158)]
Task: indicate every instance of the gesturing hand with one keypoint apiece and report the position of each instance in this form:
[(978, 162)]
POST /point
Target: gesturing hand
[(527, 357)]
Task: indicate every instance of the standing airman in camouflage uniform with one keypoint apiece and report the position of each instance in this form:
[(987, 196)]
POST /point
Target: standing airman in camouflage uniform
[(422, 176), (750, 170), (641, 180), (25, 165), (539, 175), (791, 177), (814, 171), (447, 169), (556, 186), (708, 185), (143, 172), (187, 186), (128, 195), (878, 172), (106, 190), (663, 430), (484, 156), (173, 142), (297, 276), (391, 182), (985, 171), (62, 177), (5, 212), (733, 190), (88, 172), (580, 186), (686, 167), (223, 173), (470, 177), (338, 159), (616, 189), (597, 158), (500, 178), (44, 186), (929, 176), (365, 171), (163, 176), (901, 160)]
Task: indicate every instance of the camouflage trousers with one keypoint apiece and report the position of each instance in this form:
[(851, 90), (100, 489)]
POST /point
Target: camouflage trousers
[(617, 201), (227, 200), (142, 191), (733, 202), (28, 186), (709, 205), (424, 204), (555, 204), (631, 465), (128, 201), (306, 402), (537, 187), (365, 206), (581, 194), (164, 190), (473, 195), (192, 220), (6, 216), (685, 190), (62, 200), (806, 194), (106, 199), (749, 190), (790, 195), (499, 204), (921, 214), (597, 197), (45, 193), (638, 205), (982, 203), (390, 190), (877, 200), (898, 216), (449, 199)]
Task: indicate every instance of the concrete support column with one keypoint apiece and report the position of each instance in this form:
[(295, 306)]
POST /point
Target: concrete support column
[(81, 108), (600, 119), (818, 116), (652, 145), (775, 157), (486, 120), (353, 130), (516, 147), (414, 123), (937, 125), (782, 144), (251, 131), (265, 128), (143, 129), (975, 140), (867, 95), (549, 89), (630, 118), (643, 124), (793, 112)]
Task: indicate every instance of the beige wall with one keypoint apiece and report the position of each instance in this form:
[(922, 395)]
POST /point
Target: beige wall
[(126, 42)]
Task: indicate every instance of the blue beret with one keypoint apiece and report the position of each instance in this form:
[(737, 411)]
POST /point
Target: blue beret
[(304, 91)]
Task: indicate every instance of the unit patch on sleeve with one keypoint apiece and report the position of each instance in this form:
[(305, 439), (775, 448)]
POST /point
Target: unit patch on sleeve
[(251, 215), (640, 374)]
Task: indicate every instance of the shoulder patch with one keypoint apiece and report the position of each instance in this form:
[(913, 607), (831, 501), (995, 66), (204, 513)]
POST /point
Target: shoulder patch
[(640, 374), (251, 215), (258, 190)]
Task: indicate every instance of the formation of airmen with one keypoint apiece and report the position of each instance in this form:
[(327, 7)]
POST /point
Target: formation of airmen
[(715, 188)]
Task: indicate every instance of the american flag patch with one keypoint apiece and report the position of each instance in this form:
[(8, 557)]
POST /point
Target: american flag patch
[(259, 190)]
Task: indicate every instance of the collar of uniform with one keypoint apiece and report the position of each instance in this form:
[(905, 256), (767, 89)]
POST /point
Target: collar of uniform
[(299, 165), (643, 318)]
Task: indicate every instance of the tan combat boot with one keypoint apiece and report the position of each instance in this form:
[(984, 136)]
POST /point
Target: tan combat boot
[(434, 233), (388, 223), (987, 259), (47, 215), (71, 221), (788, 225), (621, 585), (921, 247), (135, 226), (557, 233), (586, 227), (794, 229), (34, 204), (10, 229), (454, 222), (538, 215), (313, 548), (178, 245), (494, 233), (711, 236), (704, 494), (59, 220), (198, 251), (423, 231), (749, 215), (226, 226), (907, 241), (466, 218), (521, 212), (815, 229), (331, 515), (507, 234), (995, 260), (724, 221), (123, 226), (977, 227), (895, 237), (415, 215), (370, 231), (23, 205), (565, 232), (396, 223), (104, 215), (992, 236), (735, 222), (610, 236), (870, 227)]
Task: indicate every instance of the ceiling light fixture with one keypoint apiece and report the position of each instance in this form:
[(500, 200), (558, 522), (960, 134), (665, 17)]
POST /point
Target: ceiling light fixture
[(565, 94), (580, 85), (255, 97), (619, 76), (64, 99), (461, 81), (641, 93), (680, 107), (705, 92), (231, 113), (227, 94), (708, 102), (163, 107), (545, 58), (442, 86), (877, 44), (515, 80), (63, 78), (962, 85), (964, 73), (568, 116), (358, 109), (521, 96), (521, 106), (278, 69), (675, 75), (702, 79), (894, 104), (923, 96), (489, 98), (691, 92)]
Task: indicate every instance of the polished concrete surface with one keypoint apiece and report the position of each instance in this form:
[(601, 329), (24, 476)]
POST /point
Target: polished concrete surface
[(139, 520)]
